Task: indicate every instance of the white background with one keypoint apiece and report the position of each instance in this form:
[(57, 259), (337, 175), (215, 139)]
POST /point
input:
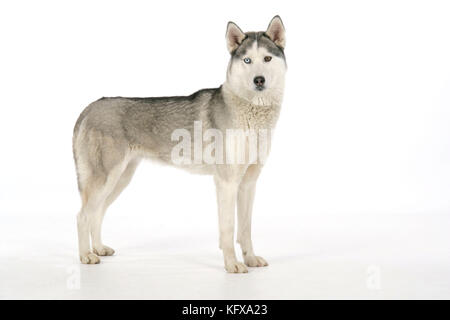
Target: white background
[(353, 202)]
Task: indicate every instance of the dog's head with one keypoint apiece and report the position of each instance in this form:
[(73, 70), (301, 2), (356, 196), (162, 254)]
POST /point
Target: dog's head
[(257, 66)]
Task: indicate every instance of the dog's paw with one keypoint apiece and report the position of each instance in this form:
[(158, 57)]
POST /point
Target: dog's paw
[(235, 267), (103, 251), (90, 258), (255, 261)]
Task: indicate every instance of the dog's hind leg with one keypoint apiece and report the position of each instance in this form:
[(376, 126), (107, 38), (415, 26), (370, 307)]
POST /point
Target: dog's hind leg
[(94, 194), (96, 228), (86, 256)]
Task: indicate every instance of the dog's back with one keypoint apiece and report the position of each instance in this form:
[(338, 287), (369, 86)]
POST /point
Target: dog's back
[(110, 129)]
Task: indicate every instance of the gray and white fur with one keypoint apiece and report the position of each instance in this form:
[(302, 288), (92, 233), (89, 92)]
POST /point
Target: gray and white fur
[(112, 135)]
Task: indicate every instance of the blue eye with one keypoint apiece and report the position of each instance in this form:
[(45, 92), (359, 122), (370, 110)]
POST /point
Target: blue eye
[(247, 60)]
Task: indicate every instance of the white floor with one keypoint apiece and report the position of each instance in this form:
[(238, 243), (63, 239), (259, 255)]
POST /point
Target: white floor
[(330, 257)]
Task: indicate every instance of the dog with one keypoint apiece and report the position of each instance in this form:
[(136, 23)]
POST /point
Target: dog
[(112, 135)]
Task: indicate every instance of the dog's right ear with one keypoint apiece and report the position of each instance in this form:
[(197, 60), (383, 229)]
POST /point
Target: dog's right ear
[(234, 36)]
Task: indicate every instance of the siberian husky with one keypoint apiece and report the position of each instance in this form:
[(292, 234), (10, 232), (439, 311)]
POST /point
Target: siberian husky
[(112, 135)]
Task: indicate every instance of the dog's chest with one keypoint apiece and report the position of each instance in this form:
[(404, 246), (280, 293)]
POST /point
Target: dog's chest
[(249, 116)]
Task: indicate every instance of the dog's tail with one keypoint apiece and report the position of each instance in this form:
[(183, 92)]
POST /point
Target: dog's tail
[(75, 139)]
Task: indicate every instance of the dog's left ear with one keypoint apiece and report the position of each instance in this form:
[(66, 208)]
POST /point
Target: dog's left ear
[(276, 33)]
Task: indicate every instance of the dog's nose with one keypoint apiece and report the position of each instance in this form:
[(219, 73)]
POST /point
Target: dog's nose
[(259, 81)]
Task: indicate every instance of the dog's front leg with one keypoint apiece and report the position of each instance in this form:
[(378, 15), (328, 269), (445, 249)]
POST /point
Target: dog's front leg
[(246, 195), (226, 201)]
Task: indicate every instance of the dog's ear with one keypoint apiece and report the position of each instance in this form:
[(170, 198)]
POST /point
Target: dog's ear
[(275, 31), (234, 36)]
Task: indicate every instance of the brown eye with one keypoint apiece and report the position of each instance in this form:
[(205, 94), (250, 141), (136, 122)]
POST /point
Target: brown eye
[(267, 59)]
